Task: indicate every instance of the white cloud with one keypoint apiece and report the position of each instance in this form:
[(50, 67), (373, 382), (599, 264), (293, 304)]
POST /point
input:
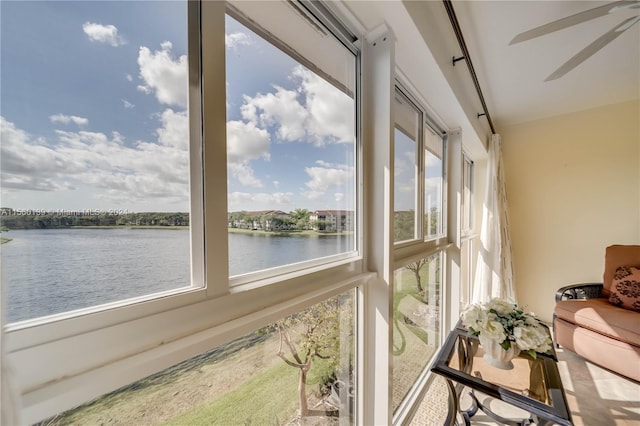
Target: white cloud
[(232, 41), (129, 77), (175, 129), (237, 200), (331, 111), (315, 111), (103, 34), (245, 174), (326, 177), (323, 178), (328, 165), (127, 104), (164, 76), (246, 142), (313, 195), (408, 185), (433, 187), (259, 201), (281, 109), (27, 163), (66, 119), (276, 198), (116, 172)]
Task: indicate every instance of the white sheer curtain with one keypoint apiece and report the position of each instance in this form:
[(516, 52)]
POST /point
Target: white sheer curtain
[(494, 273)]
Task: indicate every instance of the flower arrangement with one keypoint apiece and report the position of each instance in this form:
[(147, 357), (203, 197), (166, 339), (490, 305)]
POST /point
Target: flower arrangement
[(506, 323)]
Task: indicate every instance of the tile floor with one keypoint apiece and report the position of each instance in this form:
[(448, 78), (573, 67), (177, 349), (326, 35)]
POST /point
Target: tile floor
[(596, 397)]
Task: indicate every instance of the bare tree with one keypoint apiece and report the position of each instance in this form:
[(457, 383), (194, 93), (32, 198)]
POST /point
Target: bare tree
[(415, 267), (318, 330)]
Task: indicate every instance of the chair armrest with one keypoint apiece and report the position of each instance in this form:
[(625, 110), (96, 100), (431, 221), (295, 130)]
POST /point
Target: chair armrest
[(579, 291)]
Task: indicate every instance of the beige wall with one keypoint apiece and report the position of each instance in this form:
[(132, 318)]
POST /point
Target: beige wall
[(573, 187)]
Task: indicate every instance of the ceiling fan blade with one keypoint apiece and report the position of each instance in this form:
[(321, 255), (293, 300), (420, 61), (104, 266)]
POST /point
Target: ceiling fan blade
[(575, 19), (598, 44)]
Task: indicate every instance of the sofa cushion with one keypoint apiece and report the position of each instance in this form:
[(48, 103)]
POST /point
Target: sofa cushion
[(615, 256), (615, 355), (625, 288), (602, 317)]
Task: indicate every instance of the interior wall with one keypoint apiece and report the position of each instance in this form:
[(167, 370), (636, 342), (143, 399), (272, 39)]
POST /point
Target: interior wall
[(573, 188)]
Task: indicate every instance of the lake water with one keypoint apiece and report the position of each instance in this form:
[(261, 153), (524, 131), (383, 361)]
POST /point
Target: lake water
[(56, 270)]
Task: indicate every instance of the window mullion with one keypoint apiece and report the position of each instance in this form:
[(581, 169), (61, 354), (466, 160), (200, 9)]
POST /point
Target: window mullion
[(196, 146), (215, 148)]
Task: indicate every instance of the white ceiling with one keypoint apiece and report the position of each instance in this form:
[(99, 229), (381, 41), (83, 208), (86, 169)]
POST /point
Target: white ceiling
[(512, 77)]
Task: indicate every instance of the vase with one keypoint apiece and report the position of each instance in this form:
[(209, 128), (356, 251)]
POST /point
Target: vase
[(496, 355)]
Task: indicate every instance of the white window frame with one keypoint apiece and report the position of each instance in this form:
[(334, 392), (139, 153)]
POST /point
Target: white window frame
[(420, 244), (71, 360), (468, 177), (409, 251), (66, 359), (313, 12)]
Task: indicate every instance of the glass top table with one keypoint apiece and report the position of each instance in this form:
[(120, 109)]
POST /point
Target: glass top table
[(533, 385)]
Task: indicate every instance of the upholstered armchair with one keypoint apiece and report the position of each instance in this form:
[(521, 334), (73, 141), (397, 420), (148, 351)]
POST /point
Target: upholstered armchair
[(601, 321)]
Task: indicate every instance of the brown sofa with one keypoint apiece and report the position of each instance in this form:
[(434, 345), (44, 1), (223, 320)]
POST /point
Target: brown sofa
[(586, 320)]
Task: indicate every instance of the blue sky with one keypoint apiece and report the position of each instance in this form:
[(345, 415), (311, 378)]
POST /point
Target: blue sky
[(93, 114)]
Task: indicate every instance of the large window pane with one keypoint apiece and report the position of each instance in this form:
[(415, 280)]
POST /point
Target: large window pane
[(416, 322), (467, 195), (433, 181), (95, 153), (406, 136), (466, 272), (299, 370), (291, 143)]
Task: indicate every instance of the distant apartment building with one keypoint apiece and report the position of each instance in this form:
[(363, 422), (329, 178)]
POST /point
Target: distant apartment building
[(331, 220)]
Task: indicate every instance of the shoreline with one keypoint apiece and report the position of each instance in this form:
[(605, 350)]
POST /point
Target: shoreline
[(106, 227), (292, 233)]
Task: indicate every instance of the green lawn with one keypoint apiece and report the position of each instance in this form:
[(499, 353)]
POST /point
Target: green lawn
[(269, 398)]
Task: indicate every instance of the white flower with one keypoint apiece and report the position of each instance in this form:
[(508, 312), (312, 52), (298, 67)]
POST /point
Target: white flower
[(474, 317), (494, 331), (532, 338), (502, 307), (507, 324)]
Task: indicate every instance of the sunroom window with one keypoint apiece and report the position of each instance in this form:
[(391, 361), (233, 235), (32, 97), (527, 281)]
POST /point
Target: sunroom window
[(407, 133), (468, 180), (419, 173), (148, 135), (417, 307), (291, 140), (434, 206), (419, 249), (265, 377), (97, 204)]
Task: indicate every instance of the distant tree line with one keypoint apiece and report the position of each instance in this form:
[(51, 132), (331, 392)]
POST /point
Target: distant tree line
[(267, 220), (47, 220)]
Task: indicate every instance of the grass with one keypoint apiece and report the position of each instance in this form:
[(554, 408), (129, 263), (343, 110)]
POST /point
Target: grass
[(269, 398), (241, 383), (4, 240)]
